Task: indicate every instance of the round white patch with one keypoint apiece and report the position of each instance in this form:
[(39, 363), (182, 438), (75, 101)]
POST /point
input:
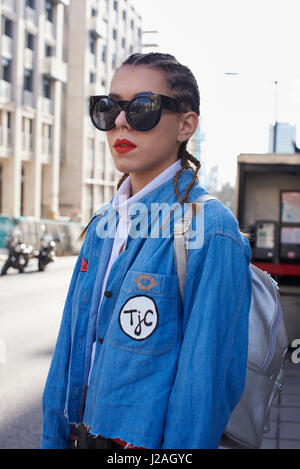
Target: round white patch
[(138, 317)]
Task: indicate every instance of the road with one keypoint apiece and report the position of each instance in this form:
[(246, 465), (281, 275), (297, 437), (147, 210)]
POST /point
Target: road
[(31, 306)]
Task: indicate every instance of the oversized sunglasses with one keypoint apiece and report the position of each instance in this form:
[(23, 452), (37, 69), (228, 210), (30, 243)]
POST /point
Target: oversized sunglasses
[(143, 112)]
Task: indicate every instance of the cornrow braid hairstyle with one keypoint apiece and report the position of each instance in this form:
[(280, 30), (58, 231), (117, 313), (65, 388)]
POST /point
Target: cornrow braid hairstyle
[(180, 79)]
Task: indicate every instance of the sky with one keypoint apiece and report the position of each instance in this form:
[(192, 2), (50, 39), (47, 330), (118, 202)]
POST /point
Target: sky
[(258, 41)]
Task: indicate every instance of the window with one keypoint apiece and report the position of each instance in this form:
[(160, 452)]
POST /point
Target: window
[(46, 87), (123, 43), (30, 126), (114, 60), (8, 27), (92, 44), (30, 4), (27, 128), (29, 40), (6, 69), (92, 77), (9, 120), (132, 24), (104, 50), (49, 11), (93, 12), (30, 134), (9, 139), (48, 50), (28, 79), (114, 34), (47, 131), (115, 5), (124, 16), (46, 139)]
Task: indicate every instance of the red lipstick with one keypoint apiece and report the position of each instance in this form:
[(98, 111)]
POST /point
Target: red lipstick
[(123, 145)]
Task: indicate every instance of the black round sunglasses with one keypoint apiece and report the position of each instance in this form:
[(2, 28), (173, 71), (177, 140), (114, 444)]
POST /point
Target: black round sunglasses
[(143, 112)]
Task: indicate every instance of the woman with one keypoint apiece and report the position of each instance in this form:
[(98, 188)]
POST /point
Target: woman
[(133, 364)]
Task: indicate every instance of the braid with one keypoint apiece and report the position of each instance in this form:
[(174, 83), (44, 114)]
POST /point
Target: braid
[(186, 158), (125, 176)]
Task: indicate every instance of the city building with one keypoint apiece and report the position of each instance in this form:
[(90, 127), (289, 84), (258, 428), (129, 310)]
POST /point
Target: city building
[(284, 138), (111, 31), (54, 55), (33, 73)]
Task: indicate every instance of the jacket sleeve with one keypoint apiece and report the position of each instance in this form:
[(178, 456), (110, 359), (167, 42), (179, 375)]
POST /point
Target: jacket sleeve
[(211, 369), (56, 429)]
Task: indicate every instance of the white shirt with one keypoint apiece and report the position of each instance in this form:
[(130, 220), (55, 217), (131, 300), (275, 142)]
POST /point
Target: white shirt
[(122, 202)]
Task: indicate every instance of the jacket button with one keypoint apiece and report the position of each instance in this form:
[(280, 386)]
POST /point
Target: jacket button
[(100, 340), (107, 293)]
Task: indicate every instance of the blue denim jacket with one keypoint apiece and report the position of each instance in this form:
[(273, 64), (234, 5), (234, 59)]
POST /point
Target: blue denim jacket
[(170, 378)]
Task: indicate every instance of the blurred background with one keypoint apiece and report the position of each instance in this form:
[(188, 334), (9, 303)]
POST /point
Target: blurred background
[(56, 169)]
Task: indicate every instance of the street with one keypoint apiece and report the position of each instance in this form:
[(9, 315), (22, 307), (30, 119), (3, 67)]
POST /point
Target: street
[(31, 306)]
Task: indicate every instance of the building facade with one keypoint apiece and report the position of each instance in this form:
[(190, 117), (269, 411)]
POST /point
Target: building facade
[(54, 55), (111, 31), (33, 72)]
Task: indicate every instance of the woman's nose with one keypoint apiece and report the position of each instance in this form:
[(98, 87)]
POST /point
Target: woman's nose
[(121, 120)]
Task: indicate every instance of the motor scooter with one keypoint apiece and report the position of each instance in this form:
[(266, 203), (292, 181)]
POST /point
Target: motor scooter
[(19, 254), (47, 251)]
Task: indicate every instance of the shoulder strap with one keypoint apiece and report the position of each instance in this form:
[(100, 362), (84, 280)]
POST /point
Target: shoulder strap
[(181, 231)]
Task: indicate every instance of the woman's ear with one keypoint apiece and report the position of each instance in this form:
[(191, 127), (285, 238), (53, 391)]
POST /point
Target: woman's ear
[(188, 125)]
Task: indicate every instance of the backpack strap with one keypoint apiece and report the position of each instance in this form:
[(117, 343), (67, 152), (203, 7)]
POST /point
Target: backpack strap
[(181, 231)]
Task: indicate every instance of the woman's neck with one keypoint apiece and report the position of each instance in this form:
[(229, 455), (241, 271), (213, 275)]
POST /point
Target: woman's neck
[(140, 180)]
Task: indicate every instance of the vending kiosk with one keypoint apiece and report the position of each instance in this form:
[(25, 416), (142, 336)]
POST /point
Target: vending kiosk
[(268, 207), (265, 240), (290, 226)]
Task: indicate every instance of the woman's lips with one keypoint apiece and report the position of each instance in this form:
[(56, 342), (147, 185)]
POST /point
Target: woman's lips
[(123, 145)]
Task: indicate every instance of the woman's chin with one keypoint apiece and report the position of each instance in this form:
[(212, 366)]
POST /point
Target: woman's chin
[(124, 166)]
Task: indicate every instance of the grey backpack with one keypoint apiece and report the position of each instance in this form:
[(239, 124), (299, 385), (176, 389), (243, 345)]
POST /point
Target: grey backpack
[(266, 348)]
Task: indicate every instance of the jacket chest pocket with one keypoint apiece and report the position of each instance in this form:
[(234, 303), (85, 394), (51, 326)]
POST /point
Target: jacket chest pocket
[(146, 314)]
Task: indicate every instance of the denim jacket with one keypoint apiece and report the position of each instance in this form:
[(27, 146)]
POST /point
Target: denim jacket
[(167, 373)]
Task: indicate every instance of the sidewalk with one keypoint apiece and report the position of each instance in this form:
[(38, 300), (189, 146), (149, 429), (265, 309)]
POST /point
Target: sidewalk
[(285, 418)]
